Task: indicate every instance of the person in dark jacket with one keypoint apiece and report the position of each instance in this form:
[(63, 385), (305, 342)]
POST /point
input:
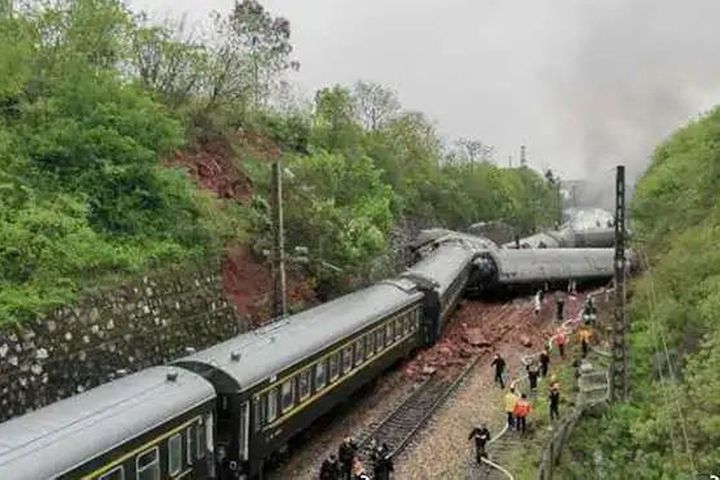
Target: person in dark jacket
[(532, 372), (544, 362), (481, 435), (499, 364), (559, 307), (554, 399), (330, 469), (382, 462), (346, 454)]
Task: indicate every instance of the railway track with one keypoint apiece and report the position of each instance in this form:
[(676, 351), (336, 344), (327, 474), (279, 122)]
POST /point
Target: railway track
[(403, 422)]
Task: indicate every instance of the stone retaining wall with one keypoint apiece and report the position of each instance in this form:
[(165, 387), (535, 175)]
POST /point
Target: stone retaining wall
[(109, 334)]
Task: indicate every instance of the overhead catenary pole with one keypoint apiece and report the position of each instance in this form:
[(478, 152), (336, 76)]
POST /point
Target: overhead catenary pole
[(278, 257), (619, 385)]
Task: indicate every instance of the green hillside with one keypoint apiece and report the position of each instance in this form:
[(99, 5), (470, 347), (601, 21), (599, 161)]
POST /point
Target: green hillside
[(670, 428)]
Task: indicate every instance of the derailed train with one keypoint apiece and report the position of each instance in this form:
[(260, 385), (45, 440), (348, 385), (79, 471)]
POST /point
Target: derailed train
[(222, 412)]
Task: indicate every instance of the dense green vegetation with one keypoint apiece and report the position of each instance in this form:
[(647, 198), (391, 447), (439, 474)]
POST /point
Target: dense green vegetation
[(670, 428), (93, 98)]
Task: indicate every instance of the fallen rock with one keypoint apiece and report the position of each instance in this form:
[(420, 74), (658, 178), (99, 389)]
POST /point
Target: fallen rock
[(525, 341), (476, 338)]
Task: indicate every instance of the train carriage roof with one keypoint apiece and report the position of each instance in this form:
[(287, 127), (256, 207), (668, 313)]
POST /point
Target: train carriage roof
[(58, 438), (442, 265), (532, 265), (250, 358)]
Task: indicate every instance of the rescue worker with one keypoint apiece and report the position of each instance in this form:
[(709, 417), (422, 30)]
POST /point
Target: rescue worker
[(559, 307), (544, 360), (561, 340), (481, 435), (382, 463), (522, 410), (499, 364), (538, 302), (346, 455), (533, 372), (358, 471), (511, 399), (589, 311), (330, 469), (554, 401), (585, 335)]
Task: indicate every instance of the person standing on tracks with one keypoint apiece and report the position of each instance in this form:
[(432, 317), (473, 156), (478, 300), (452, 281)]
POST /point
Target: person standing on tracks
[(346, 454), (585, 335), (382, 462), (511, 399), (499, 364), (544, 359), (538, 303), (559, 307), (589, 311), (533, 372), (522, 410), (330, 469), (554, 401), (561, 340), (481, 435), (358, 471)]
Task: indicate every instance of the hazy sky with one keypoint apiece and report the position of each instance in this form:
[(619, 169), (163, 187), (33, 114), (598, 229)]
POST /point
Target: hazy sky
[(585, 84)]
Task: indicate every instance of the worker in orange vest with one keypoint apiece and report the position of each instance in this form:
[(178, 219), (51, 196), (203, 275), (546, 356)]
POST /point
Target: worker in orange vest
[(522, 410), (561, 340), (585, 335)]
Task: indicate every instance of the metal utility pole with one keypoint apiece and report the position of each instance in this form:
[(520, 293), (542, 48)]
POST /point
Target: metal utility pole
[(559, 202), (509, 161), (278, 257), (523, 160), (619, 385)]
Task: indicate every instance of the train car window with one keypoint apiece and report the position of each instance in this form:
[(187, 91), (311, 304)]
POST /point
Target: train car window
[(189, 438), (388, 333), (304, 384), (347, 359), (259, 407), (243, 431), (359, 352), (174, 454), (271, 408), (399, 324), (369, 340), (334, 363), (320, 375), (379, 338), (287, 394), (147, 465), (199, 441), (408, 322), (117, 473)]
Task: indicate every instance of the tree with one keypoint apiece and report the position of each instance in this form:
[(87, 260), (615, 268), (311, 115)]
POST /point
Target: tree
[(374, 105), (169, 60), (474, 151), (253, 49)]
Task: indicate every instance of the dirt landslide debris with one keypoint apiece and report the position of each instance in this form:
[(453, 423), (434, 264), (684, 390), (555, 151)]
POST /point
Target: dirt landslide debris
[(441, 450)]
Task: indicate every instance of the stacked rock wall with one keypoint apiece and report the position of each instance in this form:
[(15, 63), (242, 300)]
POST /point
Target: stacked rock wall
[(109, 334)]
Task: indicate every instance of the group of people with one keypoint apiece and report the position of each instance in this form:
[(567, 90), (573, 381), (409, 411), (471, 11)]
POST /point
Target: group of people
[(347, 465)]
